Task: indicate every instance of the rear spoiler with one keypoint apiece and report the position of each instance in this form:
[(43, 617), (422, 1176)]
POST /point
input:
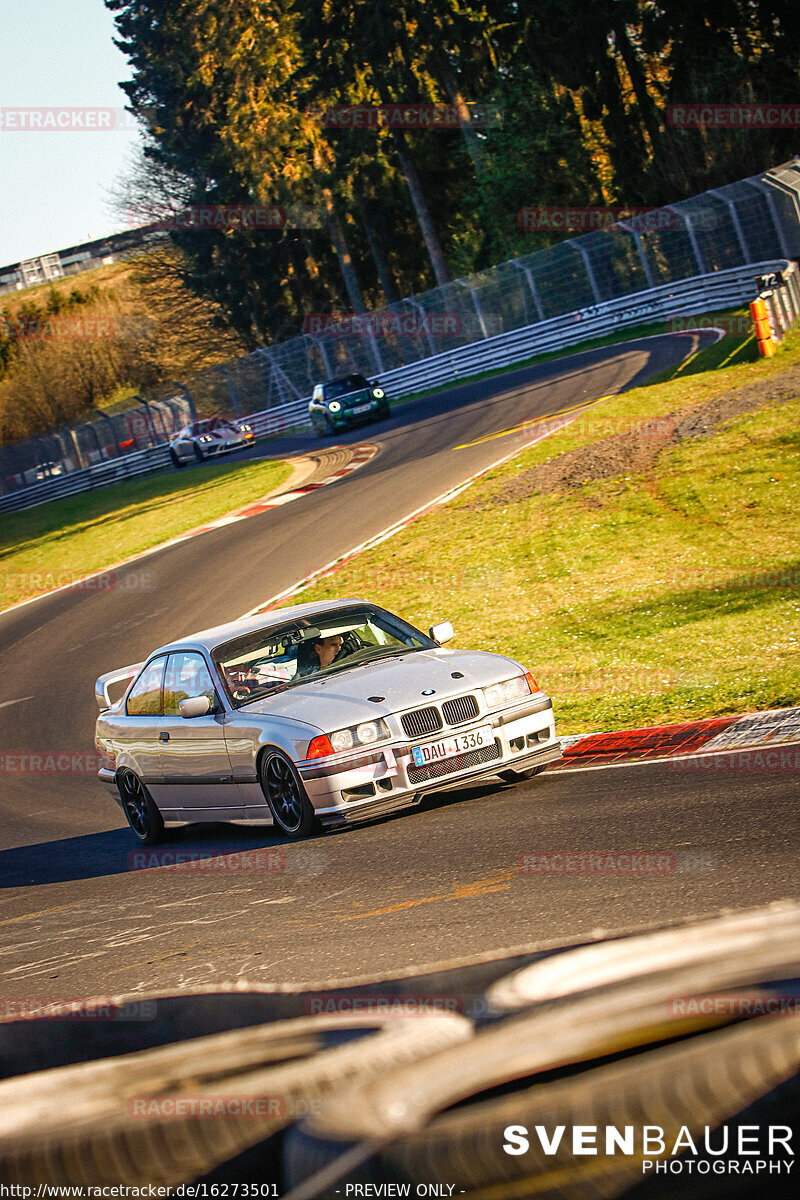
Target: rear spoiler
[(102, 683)]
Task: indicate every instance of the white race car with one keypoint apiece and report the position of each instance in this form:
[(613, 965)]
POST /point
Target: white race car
[(207, 439)]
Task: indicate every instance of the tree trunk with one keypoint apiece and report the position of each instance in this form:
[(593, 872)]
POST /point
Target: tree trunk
[(471, 139), (636, 74), (343, 255), (379, 258), (426, 226)]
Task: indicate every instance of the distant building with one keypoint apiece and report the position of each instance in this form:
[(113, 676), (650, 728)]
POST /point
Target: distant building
[(74, 259)]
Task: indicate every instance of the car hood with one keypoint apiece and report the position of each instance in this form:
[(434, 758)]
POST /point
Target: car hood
[(351, 398), (343, 698)]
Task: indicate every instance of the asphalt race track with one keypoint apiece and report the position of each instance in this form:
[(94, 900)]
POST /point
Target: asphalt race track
[(434, 884)]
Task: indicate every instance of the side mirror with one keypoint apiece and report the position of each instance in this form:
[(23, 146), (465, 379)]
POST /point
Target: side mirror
[(194, 706), (443, 632)]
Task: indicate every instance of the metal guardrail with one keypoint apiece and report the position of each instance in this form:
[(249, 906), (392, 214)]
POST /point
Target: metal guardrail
[(141, 462), (688, 297), (127, 466)]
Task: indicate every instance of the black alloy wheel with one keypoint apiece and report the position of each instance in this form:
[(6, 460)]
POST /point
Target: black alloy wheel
[(291, 809), (143, 816)]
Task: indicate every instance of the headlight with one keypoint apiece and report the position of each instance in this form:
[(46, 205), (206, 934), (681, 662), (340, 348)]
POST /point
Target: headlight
[(510, 689), (204, 438), (342, 739), (359, 735), (378, 393), (334, 406), (244, 429)]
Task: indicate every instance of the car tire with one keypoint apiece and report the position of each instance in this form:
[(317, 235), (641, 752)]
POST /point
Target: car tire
[(384, 412), (140, 809), (198, 453), (517, 776), (283, 790), (328, 427), (177, 461)]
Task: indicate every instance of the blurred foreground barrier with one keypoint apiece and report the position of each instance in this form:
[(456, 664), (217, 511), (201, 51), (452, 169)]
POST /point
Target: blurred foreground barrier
[(165, 1116)]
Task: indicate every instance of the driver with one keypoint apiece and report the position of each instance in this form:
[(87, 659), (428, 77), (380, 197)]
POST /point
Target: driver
[(325, 650)]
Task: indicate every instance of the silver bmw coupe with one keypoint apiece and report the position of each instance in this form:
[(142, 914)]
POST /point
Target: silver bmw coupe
[(315, 715)]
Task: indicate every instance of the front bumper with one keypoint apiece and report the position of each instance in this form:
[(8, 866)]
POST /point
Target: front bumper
[(360, 787)]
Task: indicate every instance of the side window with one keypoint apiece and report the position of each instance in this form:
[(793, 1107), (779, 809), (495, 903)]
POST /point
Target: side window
[(187, 675), (144, 699)]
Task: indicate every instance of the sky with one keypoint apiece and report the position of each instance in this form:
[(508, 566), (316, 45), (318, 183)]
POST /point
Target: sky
[(55, 184)]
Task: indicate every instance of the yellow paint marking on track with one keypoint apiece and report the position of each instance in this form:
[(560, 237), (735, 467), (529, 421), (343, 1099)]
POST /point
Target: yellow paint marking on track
[(459, 891), (481, 886), (531, 423), (390, 908), (733, 353), (40, 913)]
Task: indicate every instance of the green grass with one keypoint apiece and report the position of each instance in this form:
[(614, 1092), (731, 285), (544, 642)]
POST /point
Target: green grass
[(635, 600), (61, 541)]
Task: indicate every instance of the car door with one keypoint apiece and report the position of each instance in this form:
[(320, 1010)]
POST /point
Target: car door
[(197, 775), (137, 739)]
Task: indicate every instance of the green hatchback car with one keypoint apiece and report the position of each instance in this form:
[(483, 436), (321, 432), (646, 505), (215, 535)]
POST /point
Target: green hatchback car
[(344, 402)]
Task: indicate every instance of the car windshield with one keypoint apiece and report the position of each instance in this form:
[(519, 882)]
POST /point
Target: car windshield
[(278, 657), (210, 425), (341, 387)]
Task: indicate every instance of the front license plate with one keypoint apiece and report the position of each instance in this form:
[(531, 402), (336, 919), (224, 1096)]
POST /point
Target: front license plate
[(459, 743), (362, 408)]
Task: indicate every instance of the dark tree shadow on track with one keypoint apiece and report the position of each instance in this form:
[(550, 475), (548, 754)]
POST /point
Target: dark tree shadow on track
[(191, 848), (117, 852)]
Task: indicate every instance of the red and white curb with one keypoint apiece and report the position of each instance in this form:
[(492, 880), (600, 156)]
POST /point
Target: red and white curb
[(361, 456), (754, 741), (552, 426)]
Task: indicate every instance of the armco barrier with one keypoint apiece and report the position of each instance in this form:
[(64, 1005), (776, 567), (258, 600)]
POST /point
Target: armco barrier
[(142, 462), (688, 297), (697, 294)]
